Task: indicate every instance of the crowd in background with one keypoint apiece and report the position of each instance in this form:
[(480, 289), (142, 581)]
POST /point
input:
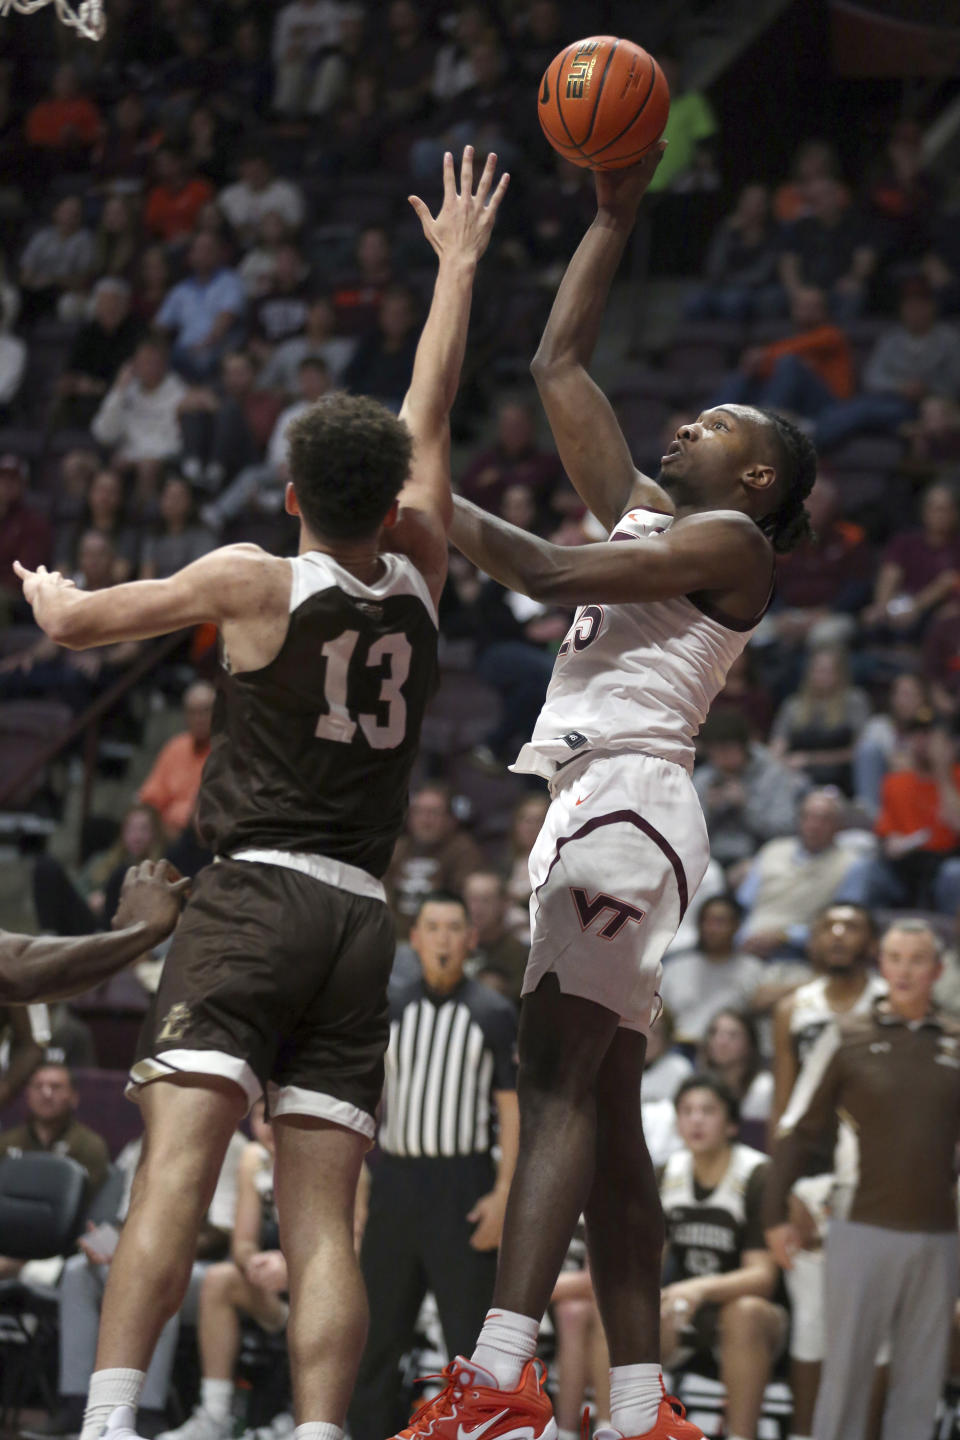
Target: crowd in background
[(204, 231)]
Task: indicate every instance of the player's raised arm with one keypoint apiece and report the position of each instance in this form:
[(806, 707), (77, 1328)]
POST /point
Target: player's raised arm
[(726, 555), (228, 584), (589, 440), (460, 233)]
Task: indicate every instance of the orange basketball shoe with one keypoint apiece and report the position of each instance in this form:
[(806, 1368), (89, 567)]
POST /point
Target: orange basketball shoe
[(672, 1424), (470, 1406)]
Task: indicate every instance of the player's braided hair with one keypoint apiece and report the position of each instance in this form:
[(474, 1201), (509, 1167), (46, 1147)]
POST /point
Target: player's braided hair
[(796, 464)]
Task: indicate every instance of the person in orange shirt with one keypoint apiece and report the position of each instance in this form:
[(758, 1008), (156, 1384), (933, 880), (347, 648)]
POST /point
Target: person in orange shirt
[(173, 783), (918, 828), (176, 198), (66, 120), (803, 373)]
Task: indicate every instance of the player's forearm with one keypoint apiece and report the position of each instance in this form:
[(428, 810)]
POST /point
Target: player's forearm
[(518, 560), (577, 313), (758, 1280), (439, 357), (53, 967)]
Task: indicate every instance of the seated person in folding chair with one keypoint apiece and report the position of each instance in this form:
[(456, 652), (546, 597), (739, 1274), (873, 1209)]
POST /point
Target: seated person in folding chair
[(722, 1282), (252, 1282), (37, 968), (81, 1292)]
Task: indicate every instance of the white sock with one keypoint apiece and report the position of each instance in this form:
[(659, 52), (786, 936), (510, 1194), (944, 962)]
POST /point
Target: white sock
[(318, 1430), (635, 1395), (793, 1436), (567, 1434), (110, 1389), (216, 1397), (505, 1344)]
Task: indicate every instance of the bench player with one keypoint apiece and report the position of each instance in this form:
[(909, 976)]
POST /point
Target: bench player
[(276, 980), (664, 612)]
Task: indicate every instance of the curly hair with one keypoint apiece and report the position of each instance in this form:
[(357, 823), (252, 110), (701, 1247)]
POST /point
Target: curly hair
[(349, 458), (788, 525)]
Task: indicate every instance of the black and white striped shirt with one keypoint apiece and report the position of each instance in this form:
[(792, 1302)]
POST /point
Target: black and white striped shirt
[(447, 1055)]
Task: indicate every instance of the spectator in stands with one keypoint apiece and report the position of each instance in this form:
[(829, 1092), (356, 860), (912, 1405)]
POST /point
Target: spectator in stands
[(99, 349), (13, 361), (814, 160), (67, 124), (302, 30), (319, 338), (528, 818), (19, 1052), (499, 958), (180, 537), (126, 148), (453, 73), (80, 1294), (173, 784), (691, 121), (920, 569), (227, 427), (246, 81), (793, 878), (723, 1285), (731, 1051), (557, 210), (261, 487), (138, 420), (338, 72), (176, 197), (664, 1068), (918, 827), (280, 313), (748, 797), (208, 144), (941, 264), (715, 976), (383, 362), (882, 744), (823, 584), (86, 901), (815, 729), (258, 266), (741, 271), (486, 115), (251, 1283), (406, 57), (805, 373), (51, 1127), (902, 195), (258, 193), (203, 314), (358, 294), (433, 853), (24, 530), (515, 458), (104, 512), (830, 250), (913, 360), (72, 479), (57, 264), (117, 242), (151, 283)]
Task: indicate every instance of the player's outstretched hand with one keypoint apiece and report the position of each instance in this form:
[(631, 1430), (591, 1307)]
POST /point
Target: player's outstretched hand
[(465, 222), (151, 895), (619, 192), (34, 580)]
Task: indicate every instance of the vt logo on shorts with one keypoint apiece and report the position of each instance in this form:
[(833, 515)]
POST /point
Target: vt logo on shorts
[(176, 1021), (588, 910)]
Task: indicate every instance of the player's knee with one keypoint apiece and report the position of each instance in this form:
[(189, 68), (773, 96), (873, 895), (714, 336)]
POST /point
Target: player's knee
[(221, 1281), (747, 1320)]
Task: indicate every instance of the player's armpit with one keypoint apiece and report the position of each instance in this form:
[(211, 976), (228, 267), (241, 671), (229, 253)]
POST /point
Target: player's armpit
[(226, 584), (422, 536)]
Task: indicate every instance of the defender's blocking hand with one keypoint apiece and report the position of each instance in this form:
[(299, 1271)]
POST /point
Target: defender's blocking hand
[(465, 222)]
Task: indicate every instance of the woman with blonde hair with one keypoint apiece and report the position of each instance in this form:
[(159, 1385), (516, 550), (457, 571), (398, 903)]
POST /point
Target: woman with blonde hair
[(816, 729)]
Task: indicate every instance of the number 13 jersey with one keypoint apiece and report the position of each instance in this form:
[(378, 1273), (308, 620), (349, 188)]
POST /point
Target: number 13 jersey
[(313, 753), (638, 677)]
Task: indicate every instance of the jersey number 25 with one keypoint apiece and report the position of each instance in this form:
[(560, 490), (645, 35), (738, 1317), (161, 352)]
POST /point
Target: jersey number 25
[(341, 720)]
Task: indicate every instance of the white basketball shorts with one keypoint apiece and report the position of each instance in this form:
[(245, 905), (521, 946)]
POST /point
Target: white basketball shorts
[(621, 853)]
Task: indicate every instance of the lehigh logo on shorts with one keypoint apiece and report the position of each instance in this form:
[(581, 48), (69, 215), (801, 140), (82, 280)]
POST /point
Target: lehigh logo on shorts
[(176, 1022)]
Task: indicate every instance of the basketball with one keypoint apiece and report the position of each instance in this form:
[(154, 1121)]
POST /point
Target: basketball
[(603, 102)]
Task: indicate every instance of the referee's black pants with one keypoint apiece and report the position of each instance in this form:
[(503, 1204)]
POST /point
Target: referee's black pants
[(418, 1240)]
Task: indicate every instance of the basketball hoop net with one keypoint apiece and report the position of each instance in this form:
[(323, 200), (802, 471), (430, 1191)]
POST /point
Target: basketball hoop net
[(88, 17)]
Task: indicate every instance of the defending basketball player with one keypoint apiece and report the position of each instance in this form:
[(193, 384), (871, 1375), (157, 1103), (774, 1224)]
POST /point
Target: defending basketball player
[(45, 968), (276, 980), (663, 614)]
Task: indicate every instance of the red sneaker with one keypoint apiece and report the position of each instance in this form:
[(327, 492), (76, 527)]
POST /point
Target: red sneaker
[(470, 1406), (672, 1424)]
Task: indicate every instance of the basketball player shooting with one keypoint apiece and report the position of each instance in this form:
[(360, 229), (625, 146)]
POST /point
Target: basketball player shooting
[(664, 612), (276, 979)]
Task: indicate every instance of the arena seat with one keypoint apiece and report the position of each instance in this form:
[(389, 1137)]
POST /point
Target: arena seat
[(26, 728)]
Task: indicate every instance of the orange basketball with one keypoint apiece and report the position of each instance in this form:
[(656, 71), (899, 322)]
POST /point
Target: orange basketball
[(603, 102)]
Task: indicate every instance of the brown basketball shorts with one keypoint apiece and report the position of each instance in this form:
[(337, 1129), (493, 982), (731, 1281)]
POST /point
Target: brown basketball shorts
[(278, 981)]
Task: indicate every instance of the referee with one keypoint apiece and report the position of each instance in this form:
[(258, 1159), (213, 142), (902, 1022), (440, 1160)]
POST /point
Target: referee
[(890, 1080), (437, 1198)]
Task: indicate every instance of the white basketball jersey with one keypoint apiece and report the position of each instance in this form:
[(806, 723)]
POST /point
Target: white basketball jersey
[(811, 1012), (635, 677)]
